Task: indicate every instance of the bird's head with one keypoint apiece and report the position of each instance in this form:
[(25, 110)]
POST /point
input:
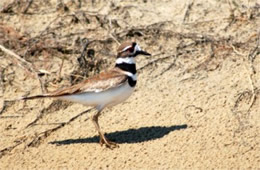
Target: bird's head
[(130, 49)]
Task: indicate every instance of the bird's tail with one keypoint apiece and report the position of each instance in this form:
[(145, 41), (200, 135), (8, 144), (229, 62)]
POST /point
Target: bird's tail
[(33, 97), (29, 97)]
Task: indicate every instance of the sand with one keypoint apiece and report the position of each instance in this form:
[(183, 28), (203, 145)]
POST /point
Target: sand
[(196, 104)]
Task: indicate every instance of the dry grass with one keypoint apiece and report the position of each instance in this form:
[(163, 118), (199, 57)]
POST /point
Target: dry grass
[(204, 71)]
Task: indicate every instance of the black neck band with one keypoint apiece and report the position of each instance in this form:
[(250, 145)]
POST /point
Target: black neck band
[(127, 67)]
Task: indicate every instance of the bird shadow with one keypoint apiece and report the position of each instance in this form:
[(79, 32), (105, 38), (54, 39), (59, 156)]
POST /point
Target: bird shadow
[(127, 136)]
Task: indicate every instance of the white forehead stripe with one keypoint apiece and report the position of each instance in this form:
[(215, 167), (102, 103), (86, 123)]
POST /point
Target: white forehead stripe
[(128, 60), (126, 48)]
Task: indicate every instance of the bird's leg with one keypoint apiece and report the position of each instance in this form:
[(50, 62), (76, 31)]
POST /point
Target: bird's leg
[(103, 139)]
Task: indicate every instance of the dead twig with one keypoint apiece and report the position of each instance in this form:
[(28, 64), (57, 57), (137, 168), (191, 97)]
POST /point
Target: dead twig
[(61, 66), (45, 134), (240, 96), (2, 102), (2, 107), (154, 61), (48, 26), (41, 136), (187, 11), (251, 57), (170, 66), (54, 106), (18, 142), (36, 120), (81, 59), (252, 92), (232, 17), (29, 3), (253, 53), (8, 8), (236, 51), (114, 38), (24, 64), (9, 149)]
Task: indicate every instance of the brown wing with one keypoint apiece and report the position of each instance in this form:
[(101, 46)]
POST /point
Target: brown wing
[(98, 83)]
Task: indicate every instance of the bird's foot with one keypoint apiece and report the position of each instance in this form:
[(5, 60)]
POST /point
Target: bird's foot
[(109, 144)]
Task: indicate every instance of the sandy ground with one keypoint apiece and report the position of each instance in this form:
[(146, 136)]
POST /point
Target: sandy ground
[(196, 104)]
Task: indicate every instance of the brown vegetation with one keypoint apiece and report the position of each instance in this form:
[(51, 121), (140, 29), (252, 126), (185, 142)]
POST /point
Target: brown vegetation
[(196, 104)]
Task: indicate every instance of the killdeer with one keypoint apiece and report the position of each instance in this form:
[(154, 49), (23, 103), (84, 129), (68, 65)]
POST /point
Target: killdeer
[(105, 89)]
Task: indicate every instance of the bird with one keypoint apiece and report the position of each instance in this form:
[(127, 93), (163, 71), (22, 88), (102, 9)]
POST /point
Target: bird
[(105, 89)]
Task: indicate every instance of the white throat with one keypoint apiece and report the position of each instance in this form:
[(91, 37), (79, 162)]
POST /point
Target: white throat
[(127, 60)]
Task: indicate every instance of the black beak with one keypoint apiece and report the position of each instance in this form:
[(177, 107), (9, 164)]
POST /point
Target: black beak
[(142, 53)]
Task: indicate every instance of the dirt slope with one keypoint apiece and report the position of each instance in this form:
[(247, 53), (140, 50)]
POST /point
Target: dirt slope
[(196, 104)]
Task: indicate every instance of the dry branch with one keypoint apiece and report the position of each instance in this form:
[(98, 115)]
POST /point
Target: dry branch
[(251, 57), (36, 141), (8, 8), (170, 66), (29, 3), (253, 89), (24, 64), (253, 53), (187, 11), (8, 149), (54, 106), (2, 102), (41, 136), (154, 61)]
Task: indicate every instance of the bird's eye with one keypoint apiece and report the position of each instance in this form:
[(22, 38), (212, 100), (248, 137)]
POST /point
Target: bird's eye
[(131, 49)]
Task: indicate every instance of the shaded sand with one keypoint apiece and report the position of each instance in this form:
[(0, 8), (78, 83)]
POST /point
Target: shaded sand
[(196, 104)]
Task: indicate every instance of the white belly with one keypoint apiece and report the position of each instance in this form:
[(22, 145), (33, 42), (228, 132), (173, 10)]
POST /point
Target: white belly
[(109, 97)]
